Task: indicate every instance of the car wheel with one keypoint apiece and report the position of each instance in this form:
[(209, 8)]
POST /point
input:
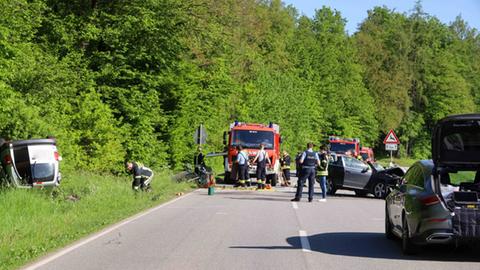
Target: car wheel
[(379, 190), (388, 225), (408, 247), (331, 188)]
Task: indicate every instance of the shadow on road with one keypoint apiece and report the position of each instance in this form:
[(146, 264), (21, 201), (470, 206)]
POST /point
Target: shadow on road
[(373, 245), (263, 198), (352, 196)]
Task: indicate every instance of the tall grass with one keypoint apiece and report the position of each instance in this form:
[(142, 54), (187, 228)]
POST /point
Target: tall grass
[(402, 162), (34, 222)]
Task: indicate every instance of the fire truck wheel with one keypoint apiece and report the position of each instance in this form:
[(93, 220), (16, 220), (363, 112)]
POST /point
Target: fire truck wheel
[(273, 179), (227, 179)]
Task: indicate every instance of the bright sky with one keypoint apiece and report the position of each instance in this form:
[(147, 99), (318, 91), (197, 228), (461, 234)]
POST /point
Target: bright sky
[(355, 11)]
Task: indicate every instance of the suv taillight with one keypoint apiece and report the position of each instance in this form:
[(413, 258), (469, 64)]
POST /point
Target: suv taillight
[(7, 159), (430, 200), (56, 155)]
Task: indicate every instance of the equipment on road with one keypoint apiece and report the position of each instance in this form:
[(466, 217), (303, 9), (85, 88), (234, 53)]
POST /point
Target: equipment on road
[(203, 177), (251, 136)]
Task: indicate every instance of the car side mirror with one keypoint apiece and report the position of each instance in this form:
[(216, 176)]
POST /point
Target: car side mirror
[(364, 170)]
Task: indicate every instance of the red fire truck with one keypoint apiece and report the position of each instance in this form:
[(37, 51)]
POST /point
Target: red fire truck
[(367, 154), (250, 136), (343, 145)]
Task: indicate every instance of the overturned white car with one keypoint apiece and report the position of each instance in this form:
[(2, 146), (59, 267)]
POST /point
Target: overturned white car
[(29, 163)]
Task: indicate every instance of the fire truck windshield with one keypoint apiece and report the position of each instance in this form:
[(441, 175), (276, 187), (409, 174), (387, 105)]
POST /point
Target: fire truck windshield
[(342, 147), (252, 138)]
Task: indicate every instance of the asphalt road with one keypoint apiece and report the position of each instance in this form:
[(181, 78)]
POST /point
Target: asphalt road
[(255, 230)]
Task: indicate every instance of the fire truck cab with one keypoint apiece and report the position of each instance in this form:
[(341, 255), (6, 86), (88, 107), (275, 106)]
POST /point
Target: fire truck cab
[(250, 136), (367, 154), (343, 145)]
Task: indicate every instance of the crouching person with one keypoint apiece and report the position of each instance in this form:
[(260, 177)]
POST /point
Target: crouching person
[(142, 176)]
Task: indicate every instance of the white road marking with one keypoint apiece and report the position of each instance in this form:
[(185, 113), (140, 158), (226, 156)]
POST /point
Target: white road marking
[(66, 250), (294, 205), (304, 241)]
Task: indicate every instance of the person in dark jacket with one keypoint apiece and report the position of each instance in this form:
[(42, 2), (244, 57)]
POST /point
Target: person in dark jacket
[(142, 176), (298, 166), (199, 161), (309, 161)]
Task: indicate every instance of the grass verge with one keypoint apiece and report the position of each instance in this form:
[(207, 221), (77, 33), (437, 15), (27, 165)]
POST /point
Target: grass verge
[(402, 162), (34, 222)]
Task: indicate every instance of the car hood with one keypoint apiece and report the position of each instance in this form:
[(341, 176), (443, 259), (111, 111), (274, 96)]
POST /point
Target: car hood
[(456, 142), (395, 171)]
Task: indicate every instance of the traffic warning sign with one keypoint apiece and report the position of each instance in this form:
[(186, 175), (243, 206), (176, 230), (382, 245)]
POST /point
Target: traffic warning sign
[(391, 138)]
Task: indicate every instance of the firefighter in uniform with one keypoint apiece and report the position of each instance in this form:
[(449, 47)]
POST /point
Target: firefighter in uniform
[(285, 163), (261, 160), (142, 176), (309, 161), (242, 160)]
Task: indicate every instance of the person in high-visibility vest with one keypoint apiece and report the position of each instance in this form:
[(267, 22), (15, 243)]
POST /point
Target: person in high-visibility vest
[(322, 171), (142, 176), (285, 161)]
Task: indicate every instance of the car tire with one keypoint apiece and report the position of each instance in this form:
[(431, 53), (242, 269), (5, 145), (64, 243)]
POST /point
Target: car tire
[(388, 225), (379, 190), (408, 247), (331, 188)]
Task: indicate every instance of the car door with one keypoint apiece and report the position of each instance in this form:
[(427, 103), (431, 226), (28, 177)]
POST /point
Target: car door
[(412, 178), (357, 173), (335, 170)]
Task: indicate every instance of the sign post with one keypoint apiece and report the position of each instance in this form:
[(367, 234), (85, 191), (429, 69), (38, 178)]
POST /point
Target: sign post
[(200, 135), (391, 142)]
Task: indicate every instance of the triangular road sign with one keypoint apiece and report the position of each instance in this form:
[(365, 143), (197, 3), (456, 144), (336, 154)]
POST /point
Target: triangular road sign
[(391, 138)]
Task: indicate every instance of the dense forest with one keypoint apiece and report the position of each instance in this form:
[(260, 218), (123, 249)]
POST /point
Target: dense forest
[(115, 80)]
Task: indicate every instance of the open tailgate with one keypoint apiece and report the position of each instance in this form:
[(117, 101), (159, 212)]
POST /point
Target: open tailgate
[(456, 141)]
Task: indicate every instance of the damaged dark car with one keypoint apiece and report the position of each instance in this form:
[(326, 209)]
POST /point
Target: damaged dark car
[(437, 201), (349, 173)]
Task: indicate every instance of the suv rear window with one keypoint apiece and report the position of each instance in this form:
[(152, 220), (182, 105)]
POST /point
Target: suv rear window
[(43, 172), (458, 143)]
